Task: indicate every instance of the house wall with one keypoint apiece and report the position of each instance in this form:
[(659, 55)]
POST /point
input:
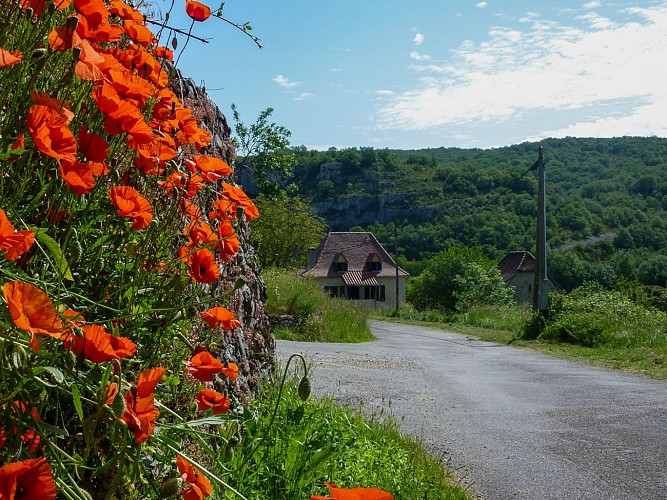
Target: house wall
[(389, 284), (523, 287)]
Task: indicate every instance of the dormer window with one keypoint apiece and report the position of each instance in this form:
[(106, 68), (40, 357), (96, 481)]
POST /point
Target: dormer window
[(340, 263), (375, 263)]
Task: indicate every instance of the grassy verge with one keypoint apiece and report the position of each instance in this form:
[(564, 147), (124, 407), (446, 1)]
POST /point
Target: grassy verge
[(506, 324), (315, 441), (309, 313)]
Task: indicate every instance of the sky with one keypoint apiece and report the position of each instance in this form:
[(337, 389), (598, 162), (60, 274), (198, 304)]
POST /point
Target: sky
[(436, 73)]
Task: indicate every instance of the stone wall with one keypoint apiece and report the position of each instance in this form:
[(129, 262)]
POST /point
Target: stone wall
[(251, 346)]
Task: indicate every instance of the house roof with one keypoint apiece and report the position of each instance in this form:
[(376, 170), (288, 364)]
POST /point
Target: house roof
[(358, 249), (516, 262)]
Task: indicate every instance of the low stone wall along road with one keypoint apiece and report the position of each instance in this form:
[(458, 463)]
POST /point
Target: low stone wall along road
[(515, 424)]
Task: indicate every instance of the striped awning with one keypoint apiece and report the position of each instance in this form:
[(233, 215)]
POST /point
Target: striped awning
[(359, 278)]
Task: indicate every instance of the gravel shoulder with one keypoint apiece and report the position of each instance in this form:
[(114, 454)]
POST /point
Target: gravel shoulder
[(514, 423)]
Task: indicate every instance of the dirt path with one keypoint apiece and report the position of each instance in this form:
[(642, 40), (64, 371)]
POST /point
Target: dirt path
[(517, 424)]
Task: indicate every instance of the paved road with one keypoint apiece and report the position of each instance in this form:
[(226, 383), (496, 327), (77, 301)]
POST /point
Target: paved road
[(516, 424)]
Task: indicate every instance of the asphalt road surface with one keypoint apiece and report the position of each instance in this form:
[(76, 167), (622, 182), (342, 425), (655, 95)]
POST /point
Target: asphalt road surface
[(514, 423)]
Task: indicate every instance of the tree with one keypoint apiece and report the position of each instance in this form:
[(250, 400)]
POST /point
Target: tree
[(262, 153), (285, 231), (480, 285), (436, 287)]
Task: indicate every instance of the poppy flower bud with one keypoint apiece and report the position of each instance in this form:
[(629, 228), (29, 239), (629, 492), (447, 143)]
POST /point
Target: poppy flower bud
[(76, 53), (29, 12), (174, 43), (118, 405), (229, 453), (170, 487), (39, 53), (304, 388)]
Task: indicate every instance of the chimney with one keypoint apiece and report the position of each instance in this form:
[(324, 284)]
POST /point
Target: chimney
[(312, 255)]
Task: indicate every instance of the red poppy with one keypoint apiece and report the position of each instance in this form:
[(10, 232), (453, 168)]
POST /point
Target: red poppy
[(102, 32), (189, 210), (92, 146), (99, 346), (94, 11), (21, 409), (8, 58), (197, 10), (203, 267), (237, 195), (354, 494), (130, 87), (223, 210), (199, 233), (202, 365), (58, 105), (162, 51), (191, 184), (50, 134), (64, 38), (228, 241), (232, 371), (32, 311), (220, 316), (200, 487), (189, 130), (206, 399), (212, 168), (139, 33), (29, 479), (129, 203), (78, 177), (121, 115), (14, 243), (140, 411), (125, 12)]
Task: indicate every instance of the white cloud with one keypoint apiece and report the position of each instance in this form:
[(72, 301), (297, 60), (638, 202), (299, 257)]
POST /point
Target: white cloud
[(482, 5), (592, 5), (419, 57), (418, 39), (303, 96), (384, 92), (285, 82), (604, 76)]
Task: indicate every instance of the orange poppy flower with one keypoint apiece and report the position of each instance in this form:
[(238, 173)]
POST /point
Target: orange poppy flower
[(130, 87), (191, 184), (109, 393), (50, 134), (32, 311), (200, 487), (77, 176), (197, 10), (92, 146), (212, 168), (14, 243), (140, 411), (94, 11), (189, 210), (103, 32), (90, 63), (98, 346), (228, 241), (203, 267), (37, 6), (64, 38), (220, 316), (232, 371), (223, 210), (241, 199), (129, 203), (206, 399), (189, 130), (20, 409), (121, 115), (354, 494), (139, 33), (199, 234), (8, 58), (162, 51), (202, 365), (29, 479), (58, 105)]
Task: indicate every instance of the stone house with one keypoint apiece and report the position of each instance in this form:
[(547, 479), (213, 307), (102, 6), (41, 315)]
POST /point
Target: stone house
[(518, 270), (355, 266)]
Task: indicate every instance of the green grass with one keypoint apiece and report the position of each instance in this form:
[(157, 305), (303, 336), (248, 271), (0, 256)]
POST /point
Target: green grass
[(313, 315), (315, 441)]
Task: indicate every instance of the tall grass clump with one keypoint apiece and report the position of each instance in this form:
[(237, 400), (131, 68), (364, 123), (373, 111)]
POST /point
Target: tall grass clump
[(507, 318), (290, 455), (301, 310)]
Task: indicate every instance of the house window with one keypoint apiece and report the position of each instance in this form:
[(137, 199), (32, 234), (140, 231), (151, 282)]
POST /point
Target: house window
[(353, 292), (370, 292), (340, 267), (376, 266), (381, 296), (333, 290)]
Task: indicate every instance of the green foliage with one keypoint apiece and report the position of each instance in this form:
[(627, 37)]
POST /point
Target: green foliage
[(315, 441), (479, 285), (287, 228), (437, 286), (313, 315), (591, 315), (262, 153)]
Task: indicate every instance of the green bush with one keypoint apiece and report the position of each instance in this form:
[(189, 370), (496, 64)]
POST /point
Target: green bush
[(584, 328)]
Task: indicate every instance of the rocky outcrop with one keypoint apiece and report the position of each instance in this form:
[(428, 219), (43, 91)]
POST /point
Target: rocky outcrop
[(251, 346)]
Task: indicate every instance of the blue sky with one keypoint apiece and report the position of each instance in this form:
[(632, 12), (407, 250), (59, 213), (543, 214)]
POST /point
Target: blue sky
[(431, 73)]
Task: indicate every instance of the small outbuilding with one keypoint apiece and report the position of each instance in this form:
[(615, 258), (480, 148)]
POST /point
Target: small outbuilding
[(355, 266), (518, 271)]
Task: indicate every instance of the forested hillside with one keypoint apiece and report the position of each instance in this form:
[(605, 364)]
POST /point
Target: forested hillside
[(614, 188)]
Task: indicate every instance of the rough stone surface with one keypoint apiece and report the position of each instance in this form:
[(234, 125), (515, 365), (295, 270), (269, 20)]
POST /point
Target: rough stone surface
[(251, 346)]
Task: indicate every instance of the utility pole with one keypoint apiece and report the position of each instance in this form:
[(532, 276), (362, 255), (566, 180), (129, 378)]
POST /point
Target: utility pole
[(541, 281), (396, 257)]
